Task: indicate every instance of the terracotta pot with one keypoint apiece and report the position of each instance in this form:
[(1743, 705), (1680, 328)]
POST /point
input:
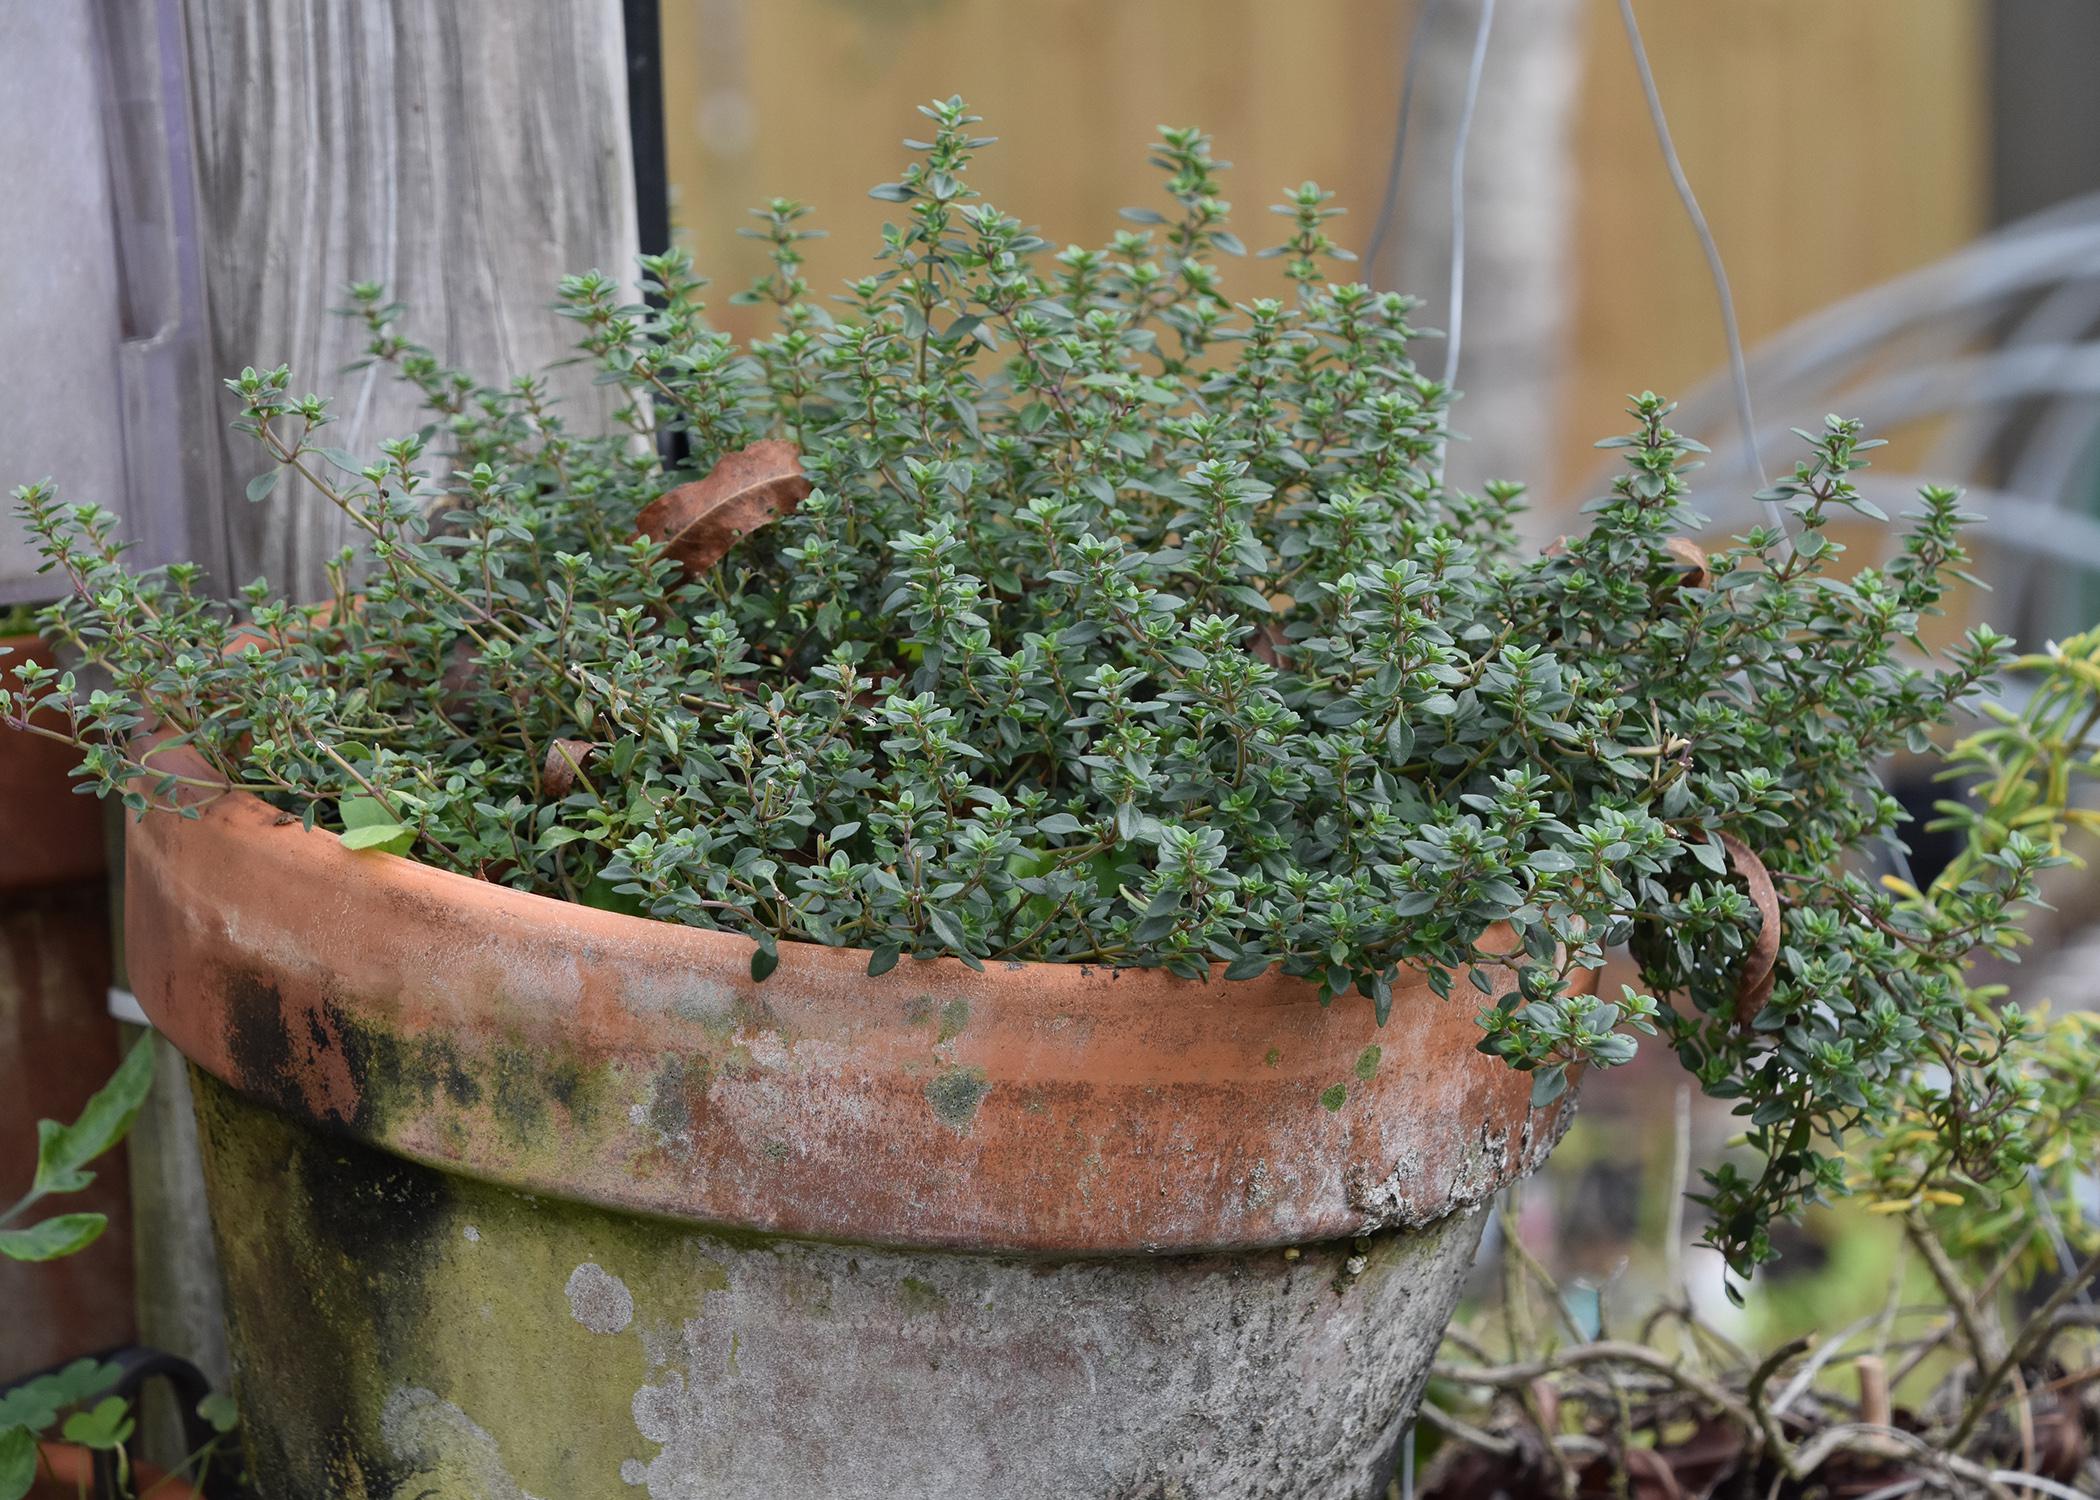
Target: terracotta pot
[(57, 1042), (48, 836), (65, 1472), (541, 1198)]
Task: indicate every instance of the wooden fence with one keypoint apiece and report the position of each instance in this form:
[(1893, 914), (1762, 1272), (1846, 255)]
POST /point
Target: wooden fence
[(1832, 145)]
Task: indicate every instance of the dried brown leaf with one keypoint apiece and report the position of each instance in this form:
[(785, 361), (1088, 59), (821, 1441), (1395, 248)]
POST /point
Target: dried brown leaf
[(1698, 571), (565, 761), (1754, 986), (1268, 643), (699, 523)]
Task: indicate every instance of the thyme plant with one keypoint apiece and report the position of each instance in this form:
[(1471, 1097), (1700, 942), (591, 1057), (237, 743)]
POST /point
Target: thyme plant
[(1119, 623)]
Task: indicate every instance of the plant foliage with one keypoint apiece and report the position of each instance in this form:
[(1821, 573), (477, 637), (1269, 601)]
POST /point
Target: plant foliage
[(1119, 623)]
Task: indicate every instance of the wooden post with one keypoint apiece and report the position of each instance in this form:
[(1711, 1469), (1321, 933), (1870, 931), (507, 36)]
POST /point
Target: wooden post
[(59, 320), (467, 153)]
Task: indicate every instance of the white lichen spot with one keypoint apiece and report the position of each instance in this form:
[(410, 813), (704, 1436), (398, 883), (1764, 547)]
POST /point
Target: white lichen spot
[(471, 1234), (637, 1115), (659, 1409), (633, 1471), (598, 1299), (439, 1441)]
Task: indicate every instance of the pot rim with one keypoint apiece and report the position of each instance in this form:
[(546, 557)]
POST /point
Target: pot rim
[(189, 764), (1030, 1107)]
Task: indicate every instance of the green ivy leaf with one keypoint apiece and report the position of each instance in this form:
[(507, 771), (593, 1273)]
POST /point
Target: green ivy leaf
[(62, 1235), (63, 1151)]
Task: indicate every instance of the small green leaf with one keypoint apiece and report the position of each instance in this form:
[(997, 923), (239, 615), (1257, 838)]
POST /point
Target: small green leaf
[(104, 1426), (388, 838), (882, 960), (606, 896), (260, 486), (367, 812), (218, 1410), (369, 823), (55, 1237)]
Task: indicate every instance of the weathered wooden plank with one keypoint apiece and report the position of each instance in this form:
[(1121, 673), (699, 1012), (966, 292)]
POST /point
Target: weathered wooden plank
[(809, 98), (465, 152), (58, 316)]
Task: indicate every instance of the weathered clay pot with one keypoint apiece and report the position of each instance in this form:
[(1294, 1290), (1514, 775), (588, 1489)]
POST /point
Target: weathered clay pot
[(519, 1198)]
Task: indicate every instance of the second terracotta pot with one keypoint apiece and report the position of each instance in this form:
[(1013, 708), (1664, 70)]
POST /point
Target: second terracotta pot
[(57, 1042), (48, 835)]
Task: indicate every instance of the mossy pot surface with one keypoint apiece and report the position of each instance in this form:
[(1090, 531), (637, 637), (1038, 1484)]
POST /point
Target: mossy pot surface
[(1082, 1187)]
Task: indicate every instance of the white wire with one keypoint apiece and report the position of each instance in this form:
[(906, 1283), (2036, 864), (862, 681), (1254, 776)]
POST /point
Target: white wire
[(1389, 210), (1454, 329), (2037, 1482), (1455, 326), (1737, 369)]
